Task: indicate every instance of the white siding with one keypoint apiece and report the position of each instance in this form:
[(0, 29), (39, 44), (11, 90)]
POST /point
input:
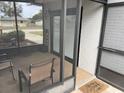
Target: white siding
[(91, 27)]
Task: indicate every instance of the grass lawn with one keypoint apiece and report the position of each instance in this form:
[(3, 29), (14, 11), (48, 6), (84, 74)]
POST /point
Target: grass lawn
[(37, 33)]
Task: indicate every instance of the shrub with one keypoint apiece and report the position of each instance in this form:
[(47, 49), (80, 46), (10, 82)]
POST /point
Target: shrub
[(9, 36), (21, 35)]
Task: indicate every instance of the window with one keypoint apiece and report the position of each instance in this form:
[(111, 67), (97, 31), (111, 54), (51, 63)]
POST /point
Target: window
[(29, 30), (30, 24), (68, 37), (112, 54), (8, 33)]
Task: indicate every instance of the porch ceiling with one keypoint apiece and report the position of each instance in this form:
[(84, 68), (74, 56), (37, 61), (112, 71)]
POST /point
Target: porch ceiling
[(37, 1), (45, 1), (49, 1)]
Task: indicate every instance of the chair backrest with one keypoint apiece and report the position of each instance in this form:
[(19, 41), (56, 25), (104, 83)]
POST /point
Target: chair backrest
[(5, 61), (4, 56), (41, 71)]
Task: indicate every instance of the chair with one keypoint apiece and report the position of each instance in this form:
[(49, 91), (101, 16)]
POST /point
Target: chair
[(6, 62), (39, 72)]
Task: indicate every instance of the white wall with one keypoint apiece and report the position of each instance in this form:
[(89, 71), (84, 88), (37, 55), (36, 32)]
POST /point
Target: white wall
[(91, 27), (114, 1)]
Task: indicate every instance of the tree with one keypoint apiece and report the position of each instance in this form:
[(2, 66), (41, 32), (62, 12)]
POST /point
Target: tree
[(37, 16), (7, 9)]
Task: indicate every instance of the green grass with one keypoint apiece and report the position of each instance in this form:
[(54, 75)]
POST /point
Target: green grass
[(37, 33)]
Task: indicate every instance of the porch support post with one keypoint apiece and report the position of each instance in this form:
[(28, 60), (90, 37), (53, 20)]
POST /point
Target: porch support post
[(16, 23), (62, 30), (51, 34), (43, 7), (76, 37)]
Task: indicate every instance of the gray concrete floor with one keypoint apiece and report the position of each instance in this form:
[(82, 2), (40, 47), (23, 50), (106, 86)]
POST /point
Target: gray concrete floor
[(8, 85)]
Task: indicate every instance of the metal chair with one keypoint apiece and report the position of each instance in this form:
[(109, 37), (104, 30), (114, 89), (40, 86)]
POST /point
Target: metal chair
[(37, 73), (6, 62)]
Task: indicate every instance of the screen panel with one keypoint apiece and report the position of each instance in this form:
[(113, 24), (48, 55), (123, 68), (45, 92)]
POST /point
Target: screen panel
[(111, 68), (30, 24), (114, 31), (113, 62), (56, 33), (69, 35), (8, 33)]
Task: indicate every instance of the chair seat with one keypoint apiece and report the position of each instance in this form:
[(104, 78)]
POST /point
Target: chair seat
[(4, 65)]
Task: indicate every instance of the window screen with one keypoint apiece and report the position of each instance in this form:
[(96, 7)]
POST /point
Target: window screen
[(113, 62), (111, 67), (56, 36), (69, 35), (114, 32)]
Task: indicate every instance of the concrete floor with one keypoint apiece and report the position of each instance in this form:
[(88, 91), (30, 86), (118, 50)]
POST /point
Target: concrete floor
[(8, 85), (88, 77)]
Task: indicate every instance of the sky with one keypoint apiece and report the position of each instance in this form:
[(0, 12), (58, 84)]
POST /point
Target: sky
[(29, 10)]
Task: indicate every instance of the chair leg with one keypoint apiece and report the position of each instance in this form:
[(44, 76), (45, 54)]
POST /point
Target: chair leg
[(29, 89), (12, 72), (51, 76), (52, 81), (20, 81), (11, 69)]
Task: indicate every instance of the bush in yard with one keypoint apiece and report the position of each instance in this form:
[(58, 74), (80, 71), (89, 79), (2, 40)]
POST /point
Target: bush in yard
[(9, 36), (21, 35), (4, 37)]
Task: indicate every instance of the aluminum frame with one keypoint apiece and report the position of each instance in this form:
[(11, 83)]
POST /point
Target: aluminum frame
[(101, 48), (78, 13), (76, 40), (62, 30), (100, 1), (70, 11)]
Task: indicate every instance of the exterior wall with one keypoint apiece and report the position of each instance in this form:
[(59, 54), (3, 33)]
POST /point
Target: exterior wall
[(12, 23), (91, 28), (7, 23), (39, 23), (24, 24), (114, 1)]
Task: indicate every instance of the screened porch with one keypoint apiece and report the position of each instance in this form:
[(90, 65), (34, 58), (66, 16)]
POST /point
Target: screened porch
[(38, 44)]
